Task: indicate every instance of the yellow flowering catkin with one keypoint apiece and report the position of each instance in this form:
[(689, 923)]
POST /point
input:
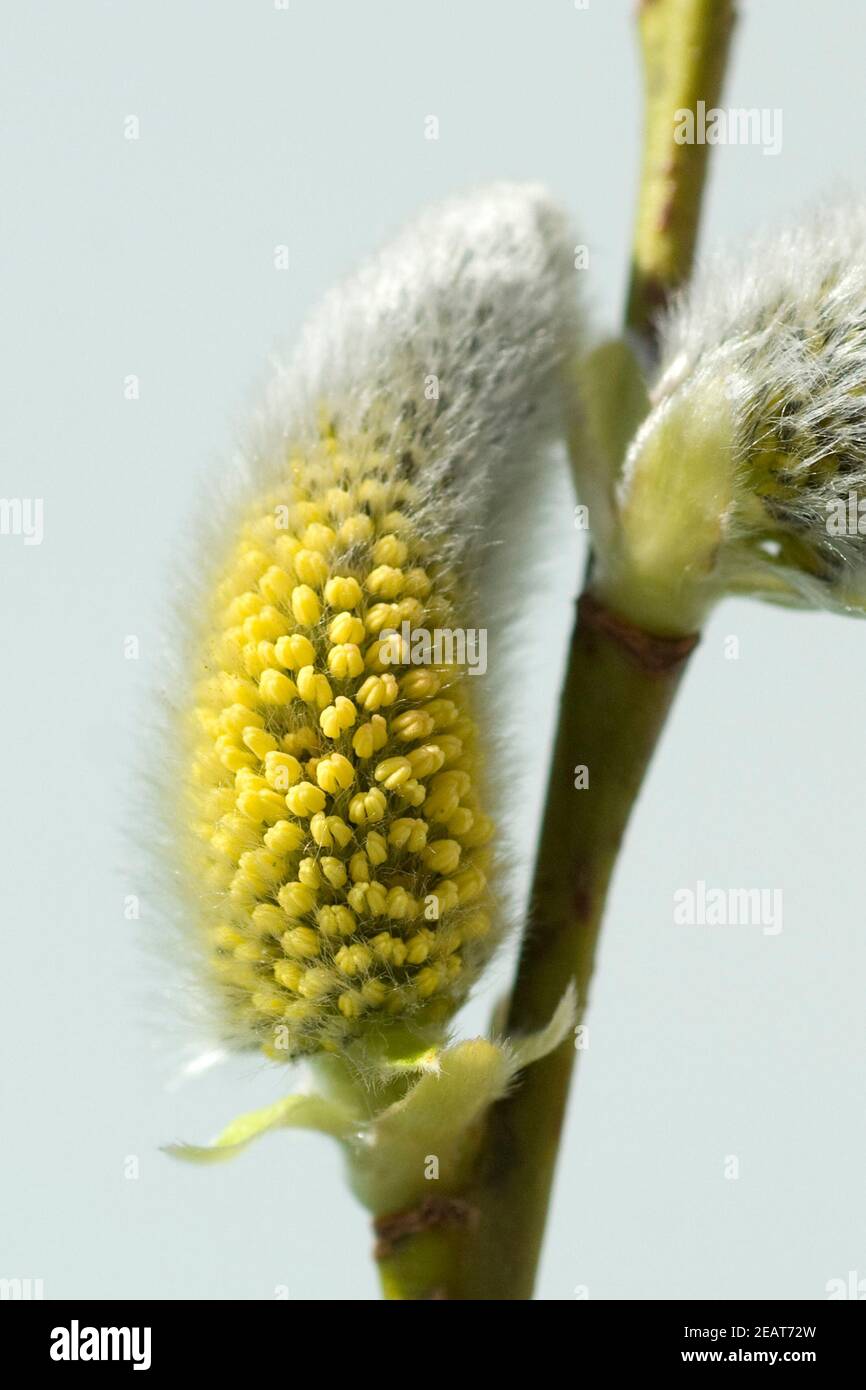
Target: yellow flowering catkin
[(334, 794), (336, 839)]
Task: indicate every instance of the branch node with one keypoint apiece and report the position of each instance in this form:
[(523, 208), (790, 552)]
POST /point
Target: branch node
[(655, 655), (433, 1213)]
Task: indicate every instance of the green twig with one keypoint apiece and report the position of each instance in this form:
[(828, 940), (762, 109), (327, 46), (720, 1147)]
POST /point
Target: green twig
[(684, 48), (618, 688)]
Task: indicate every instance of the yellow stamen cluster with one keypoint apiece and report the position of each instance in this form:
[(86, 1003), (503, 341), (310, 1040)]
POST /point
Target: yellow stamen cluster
[(334, 807)]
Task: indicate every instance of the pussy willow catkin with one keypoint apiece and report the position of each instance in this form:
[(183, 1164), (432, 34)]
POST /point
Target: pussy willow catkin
[(785, 329), (740, 477), (337, 841)]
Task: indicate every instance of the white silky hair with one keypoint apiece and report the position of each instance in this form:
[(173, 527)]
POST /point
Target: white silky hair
[(784, 323), (452, 338), (763, 294)]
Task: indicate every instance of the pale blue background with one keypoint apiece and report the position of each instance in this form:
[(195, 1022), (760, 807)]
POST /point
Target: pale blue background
[(306, 127)]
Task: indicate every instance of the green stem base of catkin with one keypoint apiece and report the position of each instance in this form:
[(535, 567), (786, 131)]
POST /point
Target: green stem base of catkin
[(618, 689)]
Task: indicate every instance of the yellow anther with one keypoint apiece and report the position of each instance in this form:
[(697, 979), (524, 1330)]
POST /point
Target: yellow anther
[(282, 770), (314, 688), (328, 831), (370, 737), (285, 549), (335, 773), (470, 883), (265, 1003), (350, 1004), (264, 626), (302, 942), (334, 870), (297, 1011), (409, 610), (229, 842), (374, 493), (307, 514), (353, 960), (460, 823), (246, 780), (449, 745), (337, 717), (343, 592), (442, 712), (296, 898), (295, 651), (285, 837), (250, 562), (345, 661), (255, 658), (393, 771), (412, 724), (261, 806), (339, 502), (390, 551), (336, 921), (417, 584), (318, 537), (359, 867), (390, 949), (367, 806), (243, 606), (253, 952), (374, 993), (408, 834), (227, 937), (316, 983), (356, 529), (446, 895), (382, 615), (345, 627), (276, 689), (418, 684), (301, 741), (377, 691), (309, 873), (306, 606), (258, 741), (232, 757), (305, 799), (376, 847), (480, 831), (369, 898), (276, 585), (413, 793), (386, 581), (312, 568), (442, 856), (239, 691), (425, 760), (268, 919), (237, 718), (428, 980), (417, 948), (260, 868), (400, 905), (387, 651)]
